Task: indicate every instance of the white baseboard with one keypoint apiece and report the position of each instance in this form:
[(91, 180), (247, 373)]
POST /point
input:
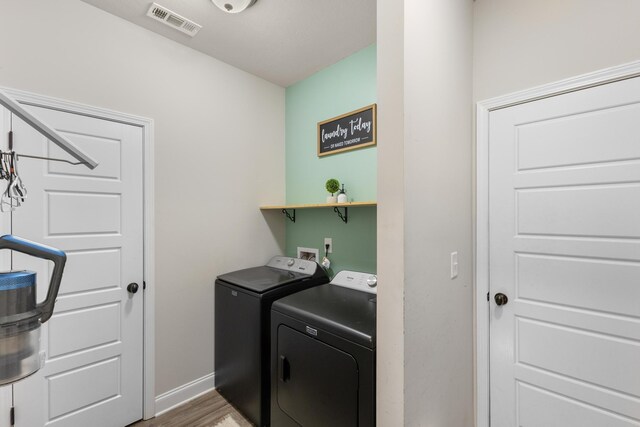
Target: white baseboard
[(184, 393)]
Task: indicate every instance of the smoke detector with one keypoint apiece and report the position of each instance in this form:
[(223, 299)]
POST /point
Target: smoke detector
[(173, 20), (233, 6)]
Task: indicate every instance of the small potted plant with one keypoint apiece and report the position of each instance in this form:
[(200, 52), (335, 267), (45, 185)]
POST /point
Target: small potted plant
[(332, 186)]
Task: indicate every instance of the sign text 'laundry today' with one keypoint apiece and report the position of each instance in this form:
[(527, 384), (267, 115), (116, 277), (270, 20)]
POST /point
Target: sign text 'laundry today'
[(356, 129)]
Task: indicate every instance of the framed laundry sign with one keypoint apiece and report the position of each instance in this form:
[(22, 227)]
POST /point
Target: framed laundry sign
[(356, 129)]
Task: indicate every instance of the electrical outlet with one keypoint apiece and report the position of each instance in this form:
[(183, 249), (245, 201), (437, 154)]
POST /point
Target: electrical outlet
[(328, 241), (454, 265)]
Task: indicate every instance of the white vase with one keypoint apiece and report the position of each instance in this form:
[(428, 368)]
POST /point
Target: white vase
[(342, 198), (332, 199)]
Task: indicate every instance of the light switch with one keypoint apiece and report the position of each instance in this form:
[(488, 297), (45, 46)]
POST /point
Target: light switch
[(454, 265)]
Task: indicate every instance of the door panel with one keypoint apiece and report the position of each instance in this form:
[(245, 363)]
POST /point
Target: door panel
[(582, 353), (100, 213), (564, 203), (586, 211), (6, 402), (82, 329), (104, 148), (579, 282), (103, 264), (93, 371), (318, 384), (77, 387), (559, 411), (577, 139)]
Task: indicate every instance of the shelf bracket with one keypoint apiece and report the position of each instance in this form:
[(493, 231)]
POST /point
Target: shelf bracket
[(292, 218), (345, 217)]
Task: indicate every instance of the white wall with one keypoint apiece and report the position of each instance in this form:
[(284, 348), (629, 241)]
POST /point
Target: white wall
[(438, 121), (219, 139), (433, 125), (390, 245), (519, 44)]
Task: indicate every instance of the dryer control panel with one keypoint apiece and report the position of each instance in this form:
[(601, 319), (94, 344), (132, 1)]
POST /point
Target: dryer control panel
[(293, 264), (365, 282)]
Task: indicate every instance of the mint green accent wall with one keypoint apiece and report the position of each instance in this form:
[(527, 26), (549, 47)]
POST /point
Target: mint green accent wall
[(354, 243), (345, 86)]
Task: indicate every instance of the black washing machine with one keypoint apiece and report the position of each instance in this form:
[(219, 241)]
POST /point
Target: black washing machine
[(242, 336), (323, 354)]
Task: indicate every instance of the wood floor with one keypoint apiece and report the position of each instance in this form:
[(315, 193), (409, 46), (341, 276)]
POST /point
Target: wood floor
[(204, 411)]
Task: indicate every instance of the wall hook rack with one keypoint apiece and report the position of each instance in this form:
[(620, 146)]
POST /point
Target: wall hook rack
[(47, 131), (342, 217), (286, 212)]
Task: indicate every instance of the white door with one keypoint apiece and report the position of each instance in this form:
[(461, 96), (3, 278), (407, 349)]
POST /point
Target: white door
[(564, 209), (93, 371), (5, 218), (6, 395)]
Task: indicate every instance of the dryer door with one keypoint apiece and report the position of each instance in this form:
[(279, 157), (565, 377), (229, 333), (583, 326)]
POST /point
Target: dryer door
[(317, 383)]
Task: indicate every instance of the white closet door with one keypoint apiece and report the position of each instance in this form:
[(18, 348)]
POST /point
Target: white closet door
[(6, 392), (565, 249), (93, 371)]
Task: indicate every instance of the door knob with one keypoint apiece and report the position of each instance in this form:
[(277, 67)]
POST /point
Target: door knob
[(132, 288), (501, 299)]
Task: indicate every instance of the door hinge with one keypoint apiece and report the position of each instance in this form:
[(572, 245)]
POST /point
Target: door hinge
[(487, 296), (12, 416), (144, 285)]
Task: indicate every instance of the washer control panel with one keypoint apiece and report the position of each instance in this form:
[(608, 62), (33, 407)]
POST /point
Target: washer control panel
[(293, 264), (365, 282)]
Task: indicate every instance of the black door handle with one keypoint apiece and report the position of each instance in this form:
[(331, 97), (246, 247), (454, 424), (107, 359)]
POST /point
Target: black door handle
[(132, 288), (501, 299), (284, 370)]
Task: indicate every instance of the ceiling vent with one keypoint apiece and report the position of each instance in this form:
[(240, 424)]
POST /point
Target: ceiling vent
[(173, 20)]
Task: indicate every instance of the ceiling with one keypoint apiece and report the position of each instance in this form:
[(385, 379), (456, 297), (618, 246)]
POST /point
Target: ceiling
[(282, 41)]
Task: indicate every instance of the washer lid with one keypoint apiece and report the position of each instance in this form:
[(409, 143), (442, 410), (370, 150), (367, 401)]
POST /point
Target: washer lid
[(341, 311), (279, 271), (262, 279)]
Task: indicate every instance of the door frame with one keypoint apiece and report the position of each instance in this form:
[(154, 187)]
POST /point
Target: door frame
[(481, 258), (146, 124)]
